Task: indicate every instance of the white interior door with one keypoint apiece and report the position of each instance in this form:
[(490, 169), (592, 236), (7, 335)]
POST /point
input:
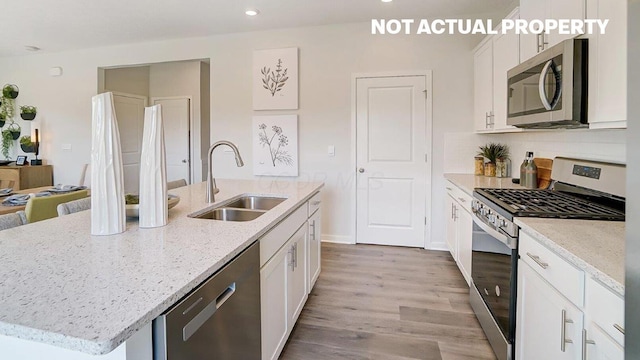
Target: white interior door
[(130, 115), (391, 147), (176, 114)]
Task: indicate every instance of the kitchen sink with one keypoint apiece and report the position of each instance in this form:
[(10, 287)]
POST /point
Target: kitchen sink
[(243, 208), (255, 202), (228, 214)]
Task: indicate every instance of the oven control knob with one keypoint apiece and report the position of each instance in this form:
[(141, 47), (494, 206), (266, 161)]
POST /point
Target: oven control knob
[(502, 223), (483, 211)]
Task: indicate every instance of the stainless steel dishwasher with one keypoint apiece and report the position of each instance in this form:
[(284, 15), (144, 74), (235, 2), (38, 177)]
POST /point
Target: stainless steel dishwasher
[(220, 319)]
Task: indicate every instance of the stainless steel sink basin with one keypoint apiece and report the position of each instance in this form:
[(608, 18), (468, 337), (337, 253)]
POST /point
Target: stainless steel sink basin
[(243, 208), (255, 202), (228, 214)]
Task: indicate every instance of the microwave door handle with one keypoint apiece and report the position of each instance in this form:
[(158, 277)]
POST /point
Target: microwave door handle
[(541, 88)]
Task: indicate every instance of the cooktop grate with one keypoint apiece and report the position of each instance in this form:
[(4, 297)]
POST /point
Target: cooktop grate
[(549, 203)]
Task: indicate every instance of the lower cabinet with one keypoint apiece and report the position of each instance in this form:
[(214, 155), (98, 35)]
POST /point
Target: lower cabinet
[(459, 228), (548, 325), (562, 315), (290, 261), (315, 225), (600, 346)]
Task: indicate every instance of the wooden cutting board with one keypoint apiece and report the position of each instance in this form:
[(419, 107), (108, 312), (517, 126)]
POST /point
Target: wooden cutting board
[(544, 171)]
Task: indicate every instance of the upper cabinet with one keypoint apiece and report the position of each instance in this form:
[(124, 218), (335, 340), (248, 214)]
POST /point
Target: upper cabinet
[(607, 77), (531, 44), (608, 66), (492, 59)]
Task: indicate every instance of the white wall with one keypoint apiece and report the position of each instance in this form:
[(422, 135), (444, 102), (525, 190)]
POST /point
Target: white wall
[(329, 55), (604, 145), (131, 80)]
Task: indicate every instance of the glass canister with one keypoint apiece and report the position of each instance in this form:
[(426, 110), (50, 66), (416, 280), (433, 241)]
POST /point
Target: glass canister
[(501, 168), (479, 165), (490, 169)]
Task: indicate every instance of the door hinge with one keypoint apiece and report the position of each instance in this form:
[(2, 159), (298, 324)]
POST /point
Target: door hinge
[(425, 220), (426, 158)]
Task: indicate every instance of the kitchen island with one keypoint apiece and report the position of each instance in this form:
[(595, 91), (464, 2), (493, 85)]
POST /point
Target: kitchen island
[(61, 288)]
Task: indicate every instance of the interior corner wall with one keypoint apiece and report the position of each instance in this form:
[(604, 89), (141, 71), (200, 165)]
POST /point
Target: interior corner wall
[(329, 57), (129, 80)]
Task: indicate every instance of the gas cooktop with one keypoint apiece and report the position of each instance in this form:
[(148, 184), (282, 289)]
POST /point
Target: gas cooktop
[(551, 204)]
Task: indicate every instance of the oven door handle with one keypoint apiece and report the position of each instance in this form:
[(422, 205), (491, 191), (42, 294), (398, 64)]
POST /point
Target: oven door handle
[(507, 240)]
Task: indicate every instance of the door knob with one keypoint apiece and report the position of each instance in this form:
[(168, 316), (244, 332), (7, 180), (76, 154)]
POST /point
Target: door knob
[(361, 170), (184, 161)]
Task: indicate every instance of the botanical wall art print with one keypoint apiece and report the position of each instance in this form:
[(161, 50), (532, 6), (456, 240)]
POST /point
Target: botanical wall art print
[(275, 145), (275, 79)]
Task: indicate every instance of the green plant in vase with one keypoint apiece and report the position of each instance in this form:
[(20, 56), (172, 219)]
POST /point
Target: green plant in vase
[(27, 145), (10, 91), (7, 142), (493, 152), (28, 112)]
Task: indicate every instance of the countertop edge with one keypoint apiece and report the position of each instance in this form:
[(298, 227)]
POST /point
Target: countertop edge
[(589, 269), (105, 346)]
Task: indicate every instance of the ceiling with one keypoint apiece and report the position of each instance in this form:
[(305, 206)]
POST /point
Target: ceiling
[(75, 24)]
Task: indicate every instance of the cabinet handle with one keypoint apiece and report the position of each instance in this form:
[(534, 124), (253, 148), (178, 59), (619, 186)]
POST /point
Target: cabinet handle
[(450, 189), (538, 42), (462, 200), (295, 255), (455, 213), (492, 117), (537, 260), (585, 342), (313, 232), (291, 255), (486, 119), (619, 328), (563, 339), (452, 212)]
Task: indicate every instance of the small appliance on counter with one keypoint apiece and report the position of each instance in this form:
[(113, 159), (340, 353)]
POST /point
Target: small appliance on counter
[(580, 189)]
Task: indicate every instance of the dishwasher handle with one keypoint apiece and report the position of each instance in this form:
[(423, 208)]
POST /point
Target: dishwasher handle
[(194, 324)]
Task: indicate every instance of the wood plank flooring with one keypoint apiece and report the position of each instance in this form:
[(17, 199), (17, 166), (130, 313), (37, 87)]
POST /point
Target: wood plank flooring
[(379, 302)]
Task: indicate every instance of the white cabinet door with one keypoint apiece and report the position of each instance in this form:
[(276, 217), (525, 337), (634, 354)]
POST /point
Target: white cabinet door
[(541, 332), (505, 56), (465, 232), (600, 346), (297, 275), (315, 248), (483, 86), (608, 65), (563, 9), (274, 293), (531, 10), (450, 212)]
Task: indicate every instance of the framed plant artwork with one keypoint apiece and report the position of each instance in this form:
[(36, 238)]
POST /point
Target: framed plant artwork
[(275, 79), (275, 145)]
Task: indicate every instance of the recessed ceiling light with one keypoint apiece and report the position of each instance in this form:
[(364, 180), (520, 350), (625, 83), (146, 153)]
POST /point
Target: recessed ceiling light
[(252, 12), (387, 0), (32, 48)]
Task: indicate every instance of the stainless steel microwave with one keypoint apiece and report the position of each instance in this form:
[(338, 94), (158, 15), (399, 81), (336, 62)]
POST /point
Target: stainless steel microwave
[(550, 89)]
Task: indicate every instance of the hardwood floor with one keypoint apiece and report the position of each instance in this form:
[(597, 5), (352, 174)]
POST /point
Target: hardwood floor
[(378, 302)]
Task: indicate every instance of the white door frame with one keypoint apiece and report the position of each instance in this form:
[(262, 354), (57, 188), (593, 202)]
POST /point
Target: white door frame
[(192, 152), (428, 137)]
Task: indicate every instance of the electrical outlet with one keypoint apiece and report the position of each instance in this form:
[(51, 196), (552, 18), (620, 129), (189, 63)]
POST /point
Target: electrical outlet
[(66, 147)]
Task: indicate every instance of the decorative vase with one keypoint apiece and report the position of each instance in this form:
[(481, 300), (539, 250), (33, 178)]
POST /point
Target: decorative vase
[(15, 130), (28, 148), (153, 208), (108, 214), (489, 169)]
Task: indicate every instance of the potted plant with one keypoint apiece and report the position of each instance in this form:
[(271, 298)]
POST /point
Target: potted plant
[(28, 112), (27, 145), (7, 142), (493, 152), (10, 91), (15, 130)]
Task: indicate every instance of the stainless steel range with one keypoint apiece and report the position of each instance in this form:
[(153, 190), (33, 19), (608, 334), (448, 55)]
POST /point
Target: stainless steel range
[(580, 189)]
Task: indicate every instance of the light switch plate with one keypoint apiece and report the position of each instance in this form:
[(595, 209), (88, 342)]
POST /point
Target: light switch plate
[(66, 147), (332, 150)]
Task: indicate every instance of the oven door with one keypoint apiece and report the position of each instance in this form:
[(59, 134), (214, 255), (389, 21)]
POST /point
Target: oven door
[(494, 261)]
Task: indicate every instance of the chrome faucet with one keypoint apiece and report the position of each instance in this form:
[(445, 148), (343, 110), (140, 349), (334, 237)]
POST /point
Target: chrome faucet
[(212, 189)]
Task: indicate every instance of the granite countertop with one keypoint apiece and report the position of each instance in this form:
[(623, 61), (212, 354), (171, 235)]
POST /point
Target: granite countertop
[(61, 286), (597, 247), (468, 182)]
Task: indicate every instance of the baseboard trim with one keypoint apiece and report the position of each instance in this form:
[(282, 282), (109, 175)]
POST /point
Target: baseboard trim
[(439, 246), (338, 239)]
